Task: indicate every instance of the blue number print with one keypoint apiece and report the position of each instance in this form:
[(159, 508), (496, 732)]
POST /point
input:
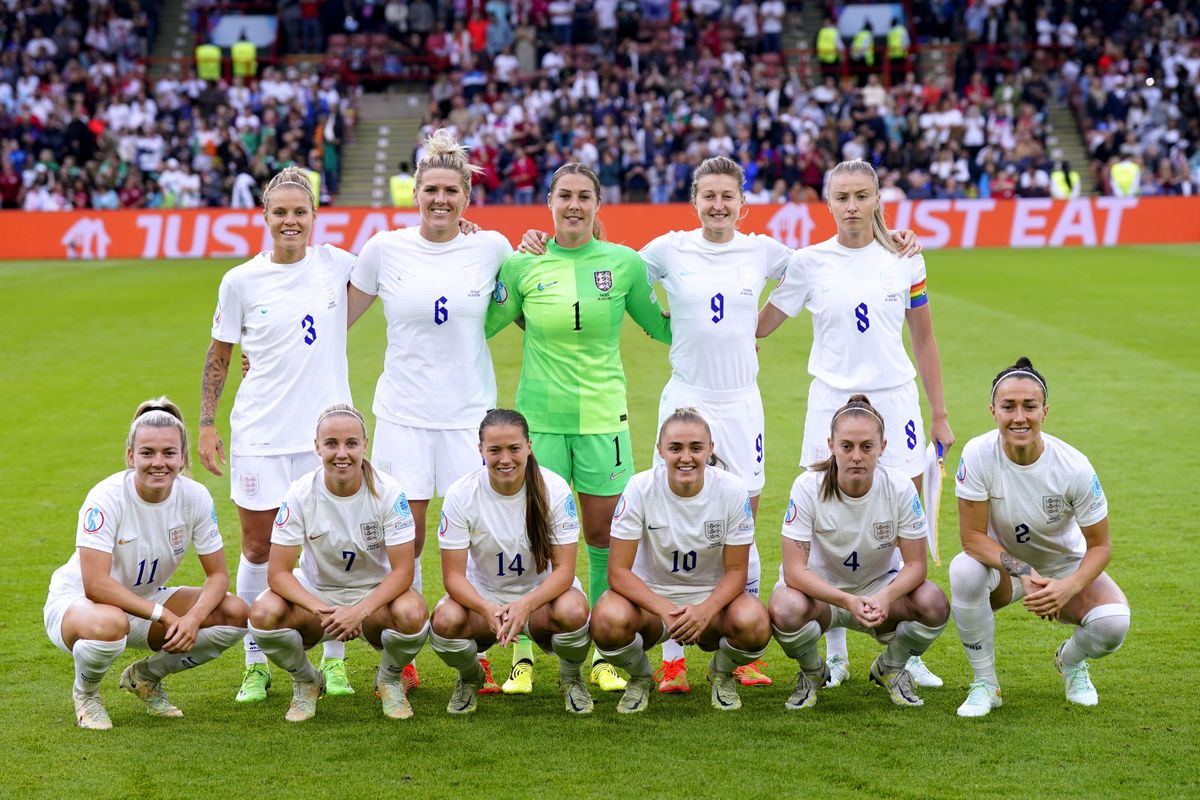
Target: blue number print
[(440, 314), (310, 329), (910, 432), (864, 322), (142, 571), (348, 557), (758, 449), (852, 561), (1022, 532), (717, 304), (688, 561), (515, 565)]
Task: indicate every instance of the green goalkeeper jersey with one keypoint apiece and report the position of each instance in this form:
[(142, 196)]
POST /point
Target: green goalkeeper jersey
[(573, 300)]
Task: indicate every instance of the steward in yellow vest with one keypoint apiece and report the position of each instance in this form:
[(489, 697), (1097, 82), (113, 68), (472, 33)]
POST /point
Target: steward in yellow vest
[(208, 62)]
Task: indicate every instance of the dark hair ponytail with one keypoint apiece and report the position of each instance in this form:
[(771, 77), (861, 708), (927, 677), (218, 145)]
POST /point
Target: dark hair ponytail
[(537, 502), (857, 406), (1021, 368)]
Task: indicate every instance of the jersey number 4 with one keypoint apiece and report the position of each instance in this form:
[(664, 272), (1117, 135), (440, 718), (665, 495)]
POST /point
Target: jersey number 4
[(852, 561)]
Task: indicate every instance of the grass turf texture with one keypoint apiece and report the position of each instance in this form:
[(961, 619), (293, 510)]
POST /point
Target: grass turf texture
[(1112, 329)]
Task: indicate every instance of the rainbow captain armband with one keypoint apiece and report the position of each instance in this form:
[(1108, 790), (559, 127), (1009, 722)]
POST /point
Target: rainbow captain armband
[(917, 296)]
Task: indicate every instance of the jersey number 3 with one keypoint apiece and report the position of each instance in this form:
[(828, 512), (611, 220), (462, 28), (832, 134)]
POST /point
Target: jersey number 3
[(310, 329)]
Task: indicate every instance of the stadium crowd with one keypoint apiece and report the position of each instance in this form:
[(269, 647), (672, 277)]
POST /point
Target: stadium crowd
[(640, 90)]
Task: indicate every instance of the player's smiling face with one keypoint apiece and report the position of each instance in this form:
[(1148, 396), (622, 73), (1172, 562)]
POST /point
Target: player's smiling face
[(685, 446), (341, 444), (718, 203), (852, 201), (156, 458), (505, 450), (857, 443), (574, 203), (289, 216), (1019, 410), (442, 200)]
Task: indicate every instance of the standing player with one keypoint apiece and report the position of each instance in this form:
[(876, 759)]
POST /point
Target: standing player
[(356, 569), (681, 540), (850, 522), (861, 295), (134, 529), (287, 308), (437, 380), (572, 387), (1034, 525), (508, 536)]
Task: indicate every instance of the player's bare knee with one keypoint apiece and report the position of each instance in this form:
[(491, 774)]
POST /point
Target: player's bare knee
[(449, 619), (931, 606), (268, 611), (749, 626), (569, 611), (255, 550), (789, 610), (408, 613), (231, 611), (612, 624), (105, 624)]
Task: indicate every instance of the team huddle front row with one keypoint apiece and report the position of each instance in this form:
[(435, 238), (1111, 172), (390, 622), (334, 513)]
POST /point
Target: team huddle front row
[(1032, 518)]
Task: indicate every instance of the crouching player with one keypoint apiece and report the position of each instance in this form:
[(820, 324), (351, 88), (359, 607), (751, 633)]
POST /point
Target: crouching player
[(356, 570), (134, 530), (508, 536), (1034, 524), (850, 523), (681, 538)]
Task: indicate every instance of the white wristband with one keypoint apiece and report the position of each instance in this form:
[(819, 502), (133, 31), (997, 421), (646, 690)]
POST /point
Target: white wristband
[(157, 613)]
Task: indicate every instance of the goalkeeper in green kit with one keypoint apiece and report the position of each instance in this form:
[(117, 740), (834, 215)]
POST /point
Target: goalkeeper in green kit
[(572, 387)]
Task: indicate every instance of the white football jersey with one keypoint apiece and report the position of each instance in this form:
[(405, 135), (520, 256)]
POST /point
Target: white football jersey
[(437, 372), (855, 539), (713, 291), (291, 322), (147, 540), (857, 297), (681, 540), (1034, 512), (491, 526), (345, 539)]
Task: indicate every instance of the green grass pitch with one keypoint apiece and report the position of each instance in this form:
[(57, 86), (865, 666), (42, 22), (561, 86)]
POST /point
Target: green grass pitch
[(1114, 330)]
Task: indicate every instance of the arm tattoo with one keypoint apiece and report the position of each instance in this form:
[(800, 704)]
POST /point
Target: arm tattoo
[(1014, 566), (805, 546), (216, 370)]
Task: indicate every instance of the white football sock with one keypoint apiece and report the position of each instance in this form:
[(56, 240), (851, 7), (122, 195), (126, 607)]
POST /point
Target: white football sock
[(1101, 634), (461, 655), (93, 658), (835, 644), (571, 649), (911, 639), (672, 650), (210, 643), (973, 616), (802, 645), (728, 657), (631, 658), (251, 582), (285, 647), (399, 649)]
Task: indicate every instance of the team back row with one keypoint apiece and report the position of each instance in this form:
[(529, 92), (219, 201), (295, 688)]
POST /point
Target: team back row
[(671, 553)]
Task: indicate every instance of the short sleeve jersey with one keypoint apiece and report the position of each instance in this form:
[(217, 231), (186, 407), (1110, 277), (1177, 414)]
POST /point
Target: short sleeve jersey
[(854, 539), (344, 539), (713, 289), (858, 298), (437, 372), (290, 320), (147, 541), (681, 540), (1035, 511), (491, 527), (574, 300)]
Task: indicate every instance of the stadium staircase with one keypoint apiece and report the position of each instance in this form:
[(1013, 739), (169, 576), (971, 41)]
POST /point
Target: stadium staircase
[(1063, 140), (174, 38), (385, 134)]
